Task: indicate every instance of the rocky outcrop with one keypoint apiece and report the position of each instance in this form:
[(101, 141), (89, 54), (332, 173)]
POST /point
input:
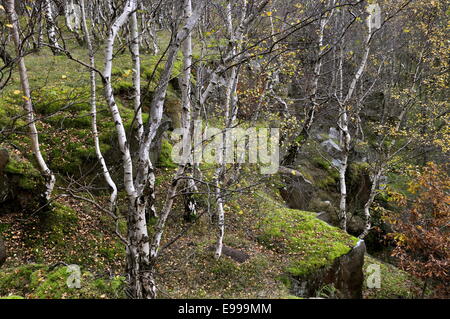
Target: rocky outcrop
[(21, 185), (332, 148), (345, 275), (298, 191)]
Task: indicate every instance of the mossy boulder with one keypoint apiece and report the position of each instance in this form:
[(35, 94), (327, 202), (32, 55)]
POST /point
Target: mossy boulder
[(319, 254), (21, 184), (165, 155)]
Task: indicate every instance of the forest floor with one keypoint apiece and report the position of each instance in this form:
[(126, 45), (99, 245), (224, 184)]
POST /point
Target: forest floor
[(75, 232)]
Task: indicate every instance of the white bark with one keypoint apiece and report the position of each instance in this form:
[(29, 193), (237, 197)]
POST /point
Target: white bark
[(122, 137), (51, 29), (136, 74), (244, 24), (144, 174), (368, 204), (220, 219), (231, 98), (344, 124), (138, 248), (33, 133), (73, 16), (98, 152), (186, 115)]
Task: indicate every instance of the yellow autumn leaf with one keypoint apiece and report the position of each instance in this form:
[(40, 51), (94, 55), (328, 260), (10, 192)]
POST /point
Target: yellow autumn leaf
[(9, 26), (127, 73), (17, 92), (269, 13)]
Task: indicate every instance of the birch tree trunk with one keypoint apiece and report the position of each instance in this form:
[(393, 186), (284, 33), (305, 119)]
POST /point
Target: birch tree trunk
[(343, 123), (28, 105), (51, 29), (368, 204), (136, 75), (145, 168), (190, 204), (145, 178), (291, 155), (73, 20), (138, 248), (231, 99), (98, 152)]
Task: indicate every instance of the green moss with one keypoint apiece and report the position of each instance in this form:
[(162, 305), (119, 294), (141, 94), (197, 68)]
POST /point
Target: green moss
[(41, 282), (12, 297), (326, 182), (59, 223), (151, 67), (4, 227), (17, 280), (356, 170), (112, 252), (311, 243), (320, 162), (225, 278), (20, 167), (53, 99), (165, 157), (328, 178), (122, 87), (9, 108), (395, 283), (29, 176)]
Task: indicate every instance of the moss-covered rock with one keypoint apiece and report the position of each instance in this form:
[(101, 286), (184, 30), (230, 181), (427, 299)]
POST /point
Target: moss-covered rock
[(312, 243), (21, 185), (29, 176), (165, 156), (319, 254)]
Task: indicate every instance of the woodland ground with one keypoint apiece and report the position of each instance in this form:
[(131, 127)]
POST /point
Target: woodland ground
[(75, 232)]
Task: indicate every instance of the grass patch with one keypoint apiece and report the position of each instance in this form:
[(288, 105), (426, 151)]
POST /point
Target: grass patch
[(395, 283)]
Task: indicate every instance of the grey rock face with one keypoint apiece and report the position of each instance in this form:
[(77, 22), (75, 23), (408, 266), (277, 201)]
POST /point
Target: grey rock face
[(334, 133), (331, 148), (345, 274), (298, 193)]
